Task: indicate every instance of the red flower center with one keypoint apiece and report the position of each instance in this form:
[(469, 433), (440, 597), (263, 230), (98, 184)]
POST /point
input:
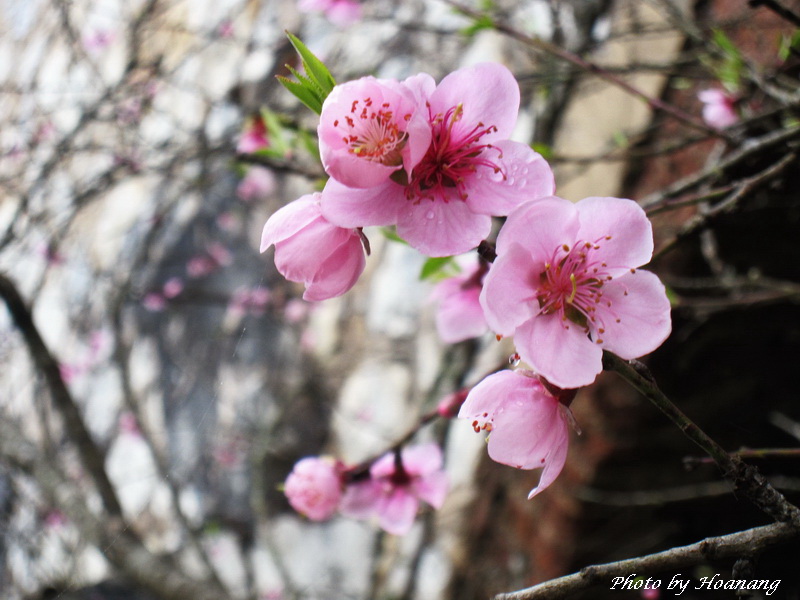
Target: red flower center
[(571, 285), (373, 133), (453, 155)]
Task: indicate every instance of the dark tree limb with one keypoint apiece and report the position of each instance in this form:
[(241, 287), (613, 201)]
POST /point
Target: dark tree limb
[(732, 546)]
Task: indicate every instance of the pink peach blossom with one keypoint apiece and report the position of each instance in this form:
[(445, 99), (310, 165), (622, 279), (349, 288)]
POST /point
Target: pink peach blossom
[(469, 172), (459, 315), (718, 108), (565, 284), (258, 183), (172, 287), (154, 302), (254, 137), (314, 487), (528, 426), (370, 128), (339, 12), (396, 485), (310, 250)]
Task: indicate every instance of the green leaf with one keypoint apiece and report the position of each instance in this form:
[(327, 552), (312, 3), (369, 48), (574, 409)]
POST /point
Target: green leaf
[(729, 71), (544, 149), (305, 95), (276, 132), (309, 143), (481, 23), (434, 266), (674, 299), (315, 68), (390, 234)]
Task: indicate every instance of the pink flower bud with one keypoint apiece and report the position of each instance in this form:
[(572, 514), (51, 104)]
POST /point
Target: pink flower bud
[(314, 487), (310, 250)]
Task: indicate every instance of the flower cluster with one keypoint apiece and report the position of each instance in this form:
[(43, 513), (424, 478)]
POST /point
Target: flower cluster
[(435, 161), (389, 491), (563, 279)]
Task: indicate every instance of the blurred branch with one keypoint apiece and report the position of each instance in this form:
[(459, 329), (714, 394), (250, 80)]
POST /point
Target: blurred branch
[(747, 150), (541, 45), (118, 545), (741, 190), (91, 454), (734, 545), (778, 9)]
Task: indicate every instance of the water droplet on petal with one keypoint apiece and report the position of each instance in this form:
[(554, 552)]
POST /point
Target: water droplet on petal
[(514, 359), (429, 215)]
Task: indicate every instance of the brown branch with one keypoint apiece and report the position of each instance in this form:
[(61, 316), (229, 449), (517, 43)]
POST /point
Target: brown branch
[(734, 545), (92, 456), (748, 149)]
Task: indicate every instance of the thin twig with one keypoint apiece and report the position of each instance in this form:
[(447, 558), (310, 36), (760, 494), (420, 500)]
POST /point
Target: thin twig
[(590, 67), (741, 190), (750, 148)]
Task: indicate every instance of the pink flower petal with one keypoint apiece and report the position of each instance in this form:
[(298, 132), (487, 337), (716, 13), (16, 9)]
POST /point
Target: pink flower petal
[(508, 297), (351, 207), (438, 228), (422, 459), (524, 176), (489, 94), (554, 462), (431, 488), (365, 131), (459, 316), (338, 273), (360, 499), (290, 219), (559, 351), (640, 302), (625, 222), (540, 226), (397, 512)]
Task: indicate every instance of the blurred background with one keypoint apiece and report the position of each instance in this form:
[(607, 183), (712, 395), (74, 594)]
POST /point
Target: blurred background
[(170, 377)]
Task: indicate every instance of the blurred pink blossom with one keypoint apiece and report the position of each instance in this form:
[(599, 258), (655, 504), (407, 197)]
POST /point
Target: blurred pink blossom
[(154, 301), (228, 221), (295, 310), (172, 287), (252, 301), (254, 137), (97, 40), (314, 487), (201, 265), (339, 12), (220, 254), (312, 251), (258, 183), (396, 485), (459, 315), (651, 593), (565, 284), (225, 29), (528, 426), (449, 406), (718, 108)]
